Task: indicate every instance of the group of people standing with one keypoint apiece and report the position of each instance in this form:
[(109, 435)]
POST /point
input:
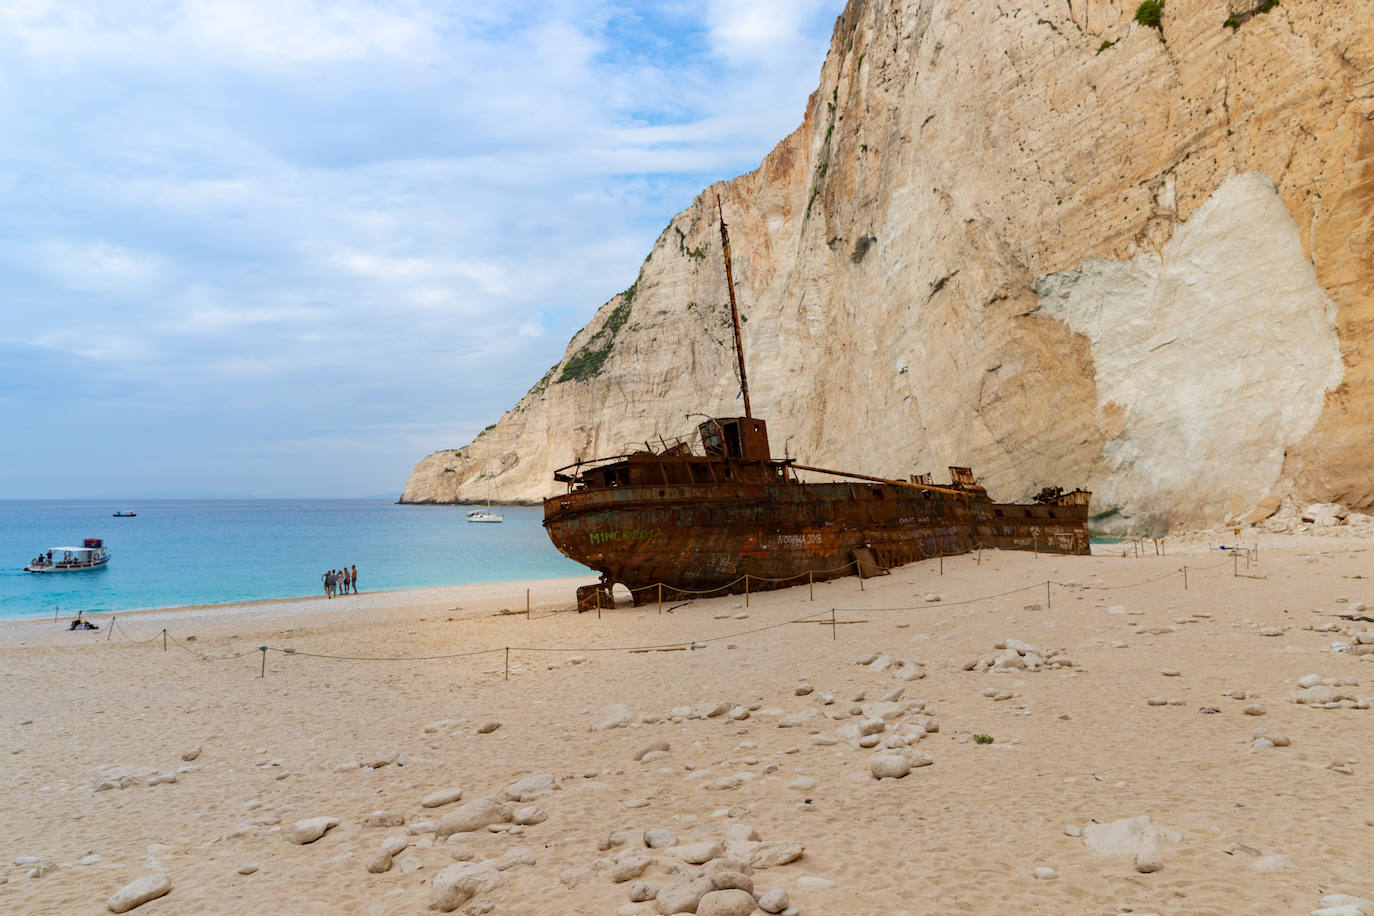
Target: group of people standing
[(339, 581)]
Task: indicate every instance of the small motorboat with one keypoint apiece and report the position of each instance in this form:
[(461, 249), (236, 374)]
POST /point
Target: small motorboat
[(126, 515), (92, 554)]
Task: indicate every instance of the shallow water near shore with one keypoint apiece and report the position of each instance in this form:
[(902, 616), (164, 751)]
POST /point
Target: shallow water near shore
[(187, 552)]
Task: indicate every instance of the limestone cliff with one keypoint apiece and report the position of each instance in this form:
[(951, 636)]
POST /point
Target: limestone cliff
[(1041, 239)]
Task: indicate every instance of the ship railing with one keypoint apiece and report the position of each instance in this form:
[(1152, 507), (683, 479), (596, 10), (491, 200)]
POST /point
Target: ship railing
[(672, 447), (570, 473)]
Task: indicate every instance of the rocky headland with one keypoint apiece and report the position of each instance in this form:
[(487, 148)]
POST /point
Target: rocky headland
[(1051, 242)]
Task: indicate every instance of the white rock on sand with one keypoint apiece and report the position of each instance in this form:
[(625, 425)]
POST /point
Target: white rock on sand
[(474, 815), (460, 882), (138, 892), (441, 797), (530, 787), (391, 847), (732, 902), (698, 853), (774, 901), (617, 715), (683, 894), (1133, 836), (310, 829), (659, 838)]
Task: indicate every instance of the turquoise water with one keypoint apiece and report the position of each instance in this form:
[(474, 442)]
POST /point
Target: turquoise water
[(184, 552)]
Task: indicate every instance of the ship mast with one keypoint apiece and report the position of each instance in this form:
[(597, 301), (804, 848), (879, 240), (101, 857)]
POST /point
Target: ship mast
[(734, 309)]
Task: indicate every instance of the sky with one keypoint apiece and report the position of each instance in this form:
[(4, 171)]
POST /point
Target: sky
[(283, 248)]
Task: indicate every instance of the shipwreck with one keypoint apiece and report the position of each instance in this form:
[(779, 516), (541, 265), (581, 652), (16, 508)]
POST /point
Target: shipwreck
[(717, 513)]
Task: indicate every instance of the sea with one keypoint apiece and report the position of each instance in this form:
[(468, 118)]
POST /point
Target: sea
[(176, 553)]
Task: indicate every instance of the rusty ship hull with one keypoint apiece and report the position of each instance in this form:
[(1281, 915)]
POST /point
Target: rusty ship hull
[(753, 525)]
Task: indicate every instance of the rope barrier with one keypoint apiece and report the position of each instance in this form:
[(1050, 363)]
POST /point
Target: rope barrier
[(209, 658), (1112, 588), (819, 617), (746, 578), (125, 633), (676, 645), (1024, 588), (381, 658)]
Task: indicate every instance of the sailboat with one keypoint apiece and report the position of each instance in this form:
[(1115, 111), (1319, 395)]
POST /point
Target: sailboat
[(488, 514)]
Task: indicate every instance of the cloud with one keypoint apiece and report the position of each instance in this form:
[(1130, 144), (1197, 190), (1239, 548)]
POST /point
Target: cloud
[(100, 266), (405, 206), (764, 31)]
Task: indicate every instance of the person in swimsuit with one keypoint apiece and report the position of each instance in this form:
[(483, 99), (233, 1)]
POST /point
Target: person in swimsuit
[(354, 579)]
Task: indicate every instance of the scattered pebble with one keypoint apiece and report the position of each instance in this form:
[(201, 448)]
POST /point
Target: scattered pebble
[(733, 902), (138, 892), (309, 830), (441, 797), (460, 882), (660, 838), (642, 891), (774, 901)]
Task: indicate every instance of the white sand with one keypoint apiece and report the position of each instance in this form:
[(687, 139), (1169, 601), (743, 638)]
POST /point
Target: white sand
[(1072, 746)]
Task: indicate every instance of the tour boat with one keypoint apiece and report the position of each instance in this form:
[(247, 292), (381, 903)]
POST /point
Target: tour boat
[(126, 515), (90, 555)]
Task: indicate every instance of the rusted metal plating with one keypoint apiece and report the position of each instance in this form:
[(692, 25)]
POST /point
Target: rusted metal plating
[(698, 523)]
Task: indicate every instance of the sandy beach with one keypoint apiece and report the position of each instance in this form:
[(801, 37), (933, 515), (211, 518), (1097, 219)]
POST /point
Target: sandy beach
[(1114, 744)]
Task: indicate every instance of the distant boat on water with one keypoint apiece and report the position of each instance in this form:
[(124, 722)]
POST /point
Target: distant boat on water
[(125, 514), (91, 555), (488, 514)]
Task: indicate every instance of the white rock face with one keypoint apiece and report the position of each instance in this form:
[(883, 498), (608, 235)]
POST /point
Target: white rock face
[(1220, 343)]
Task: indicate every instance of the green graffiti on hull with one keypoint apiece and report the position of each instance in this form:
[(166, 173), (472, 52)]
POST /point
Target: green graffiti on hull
[(630, 534)]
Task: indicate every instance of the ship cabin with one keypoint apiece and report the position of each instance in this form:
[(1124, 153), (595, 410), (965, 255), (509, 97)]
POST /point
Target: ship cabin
[(733, 450)]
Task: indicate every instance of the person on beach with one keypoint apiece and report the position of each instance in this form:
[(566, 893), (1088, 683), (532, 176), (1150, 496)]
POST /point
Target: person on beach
[(355, 579), (328, 578)]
